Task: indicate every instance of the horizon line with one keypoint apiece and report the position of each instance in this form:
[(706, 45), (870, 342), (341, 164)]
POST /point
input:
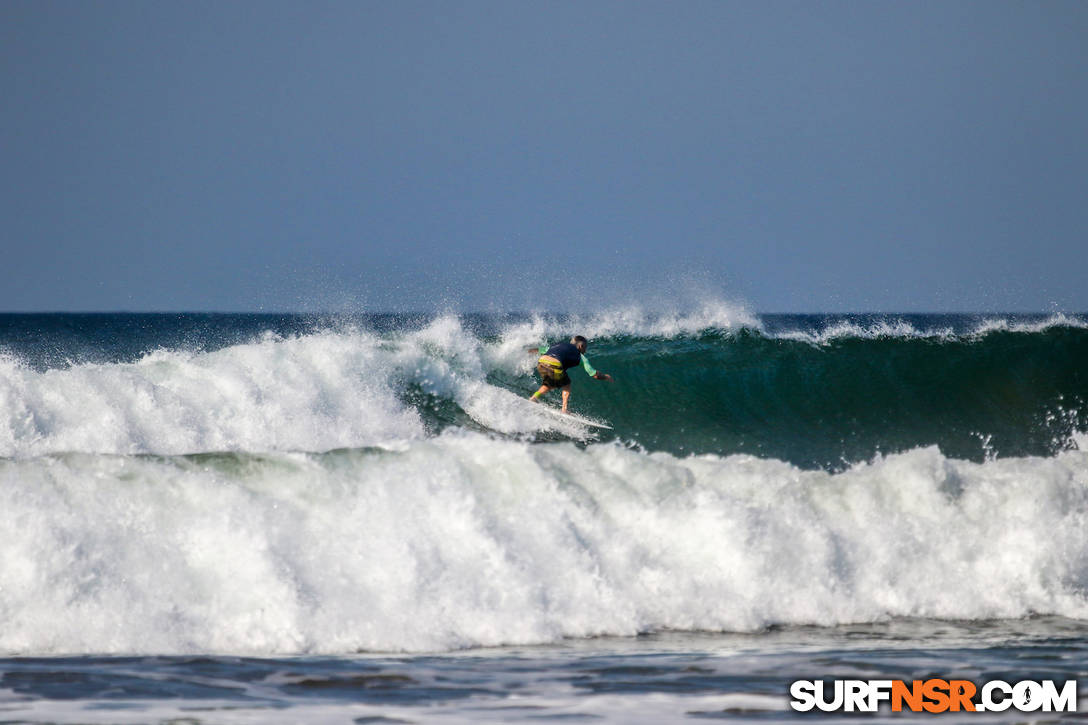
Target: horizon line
[(420, 313)]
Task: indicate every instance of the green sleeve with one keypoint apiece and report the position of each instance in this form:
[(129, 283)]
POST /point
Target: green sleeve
[(588, 367)]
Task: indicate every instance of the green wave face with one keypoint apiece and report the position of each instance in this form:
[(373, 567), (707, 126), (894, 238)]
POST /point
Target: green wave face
[(821, 392), (825, 405)]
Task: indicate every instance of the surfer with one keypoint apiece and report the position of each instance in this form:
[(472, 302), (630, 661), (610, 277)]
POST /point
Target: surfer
[(555, 362)]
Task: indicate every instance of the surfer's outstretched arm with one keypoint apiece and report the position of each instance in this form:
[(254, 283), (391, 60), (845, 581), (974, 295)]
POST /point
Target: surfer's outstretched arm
[(593, 372)]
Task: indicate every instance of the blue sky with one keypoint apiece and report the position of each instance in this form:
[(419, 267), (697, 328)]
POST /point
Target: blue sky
[(797, 156)]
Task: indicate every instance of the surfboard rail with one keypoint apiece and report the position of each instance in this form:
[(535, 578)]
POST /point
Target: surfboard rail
[(580, 419)]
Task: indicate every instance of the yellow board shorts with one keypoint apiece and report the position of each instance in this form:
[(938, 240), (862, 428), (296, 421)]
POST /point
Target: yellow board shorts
[(552, 373)]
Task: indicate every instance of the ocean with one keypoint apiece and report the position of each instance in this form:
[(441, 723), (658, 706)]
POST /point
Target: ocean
[(250, 518)]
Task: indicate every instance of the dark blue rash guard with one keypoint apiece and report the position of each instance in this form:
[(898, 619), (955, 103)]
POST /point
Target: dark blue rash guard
[(568, 356)]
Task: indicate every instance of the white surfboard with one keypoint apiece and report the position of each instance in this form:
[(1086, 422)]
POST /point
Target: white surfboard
[(573, 417)]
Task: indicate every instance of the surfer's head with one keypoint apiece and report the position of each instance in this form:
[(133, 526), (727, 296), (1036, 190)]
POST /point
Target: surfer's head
[(580, 342)]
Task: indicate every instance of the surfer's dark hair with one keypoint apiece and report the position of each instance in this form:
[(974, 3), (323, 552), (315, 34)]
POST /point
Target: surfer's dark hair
[(579, 339)]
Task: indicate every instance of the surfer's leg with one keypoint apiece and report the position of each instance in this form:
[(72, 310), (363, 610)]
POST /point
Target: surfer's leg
[(566, 397)]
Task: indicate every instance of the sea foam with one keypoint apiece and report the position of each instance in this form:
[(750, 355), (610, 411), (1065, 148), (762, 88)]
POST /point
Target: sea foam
[(315, 392), (465, 540)]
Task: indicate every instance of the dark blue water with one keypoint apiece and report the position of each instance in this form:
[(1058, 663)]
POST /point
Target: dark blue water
[(669, 677)]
